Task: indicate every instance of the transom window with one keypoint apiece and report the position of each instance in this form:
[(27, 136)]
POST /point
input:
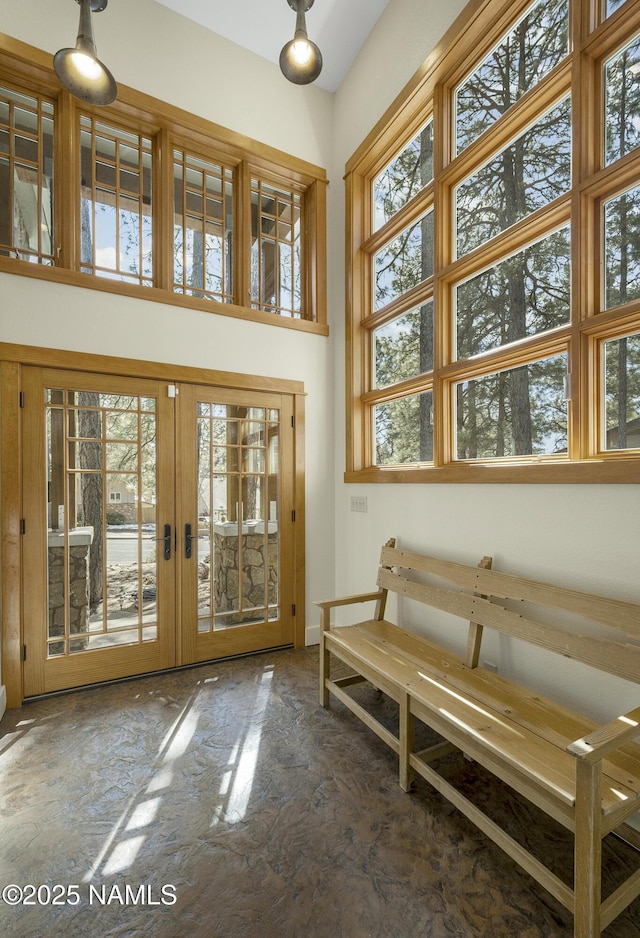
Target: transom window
[(202, 228), (116, 228), (276, 243), (26, 177), (160, 204), (495, 279)]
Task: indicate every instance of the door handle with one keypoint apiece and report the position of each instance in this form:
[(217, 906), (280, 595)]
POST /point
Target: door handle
[(166, 538), (188, 537)]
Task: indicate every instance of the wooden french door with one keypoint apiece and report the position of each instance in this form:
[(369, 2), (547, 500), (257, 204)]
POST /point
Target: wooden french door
[(236, 522), (157, 525)]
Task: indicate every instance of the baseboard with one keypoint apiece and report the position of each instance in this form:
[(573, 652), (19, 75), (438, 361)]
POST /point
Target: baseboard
[(312, 635), (3, 700)]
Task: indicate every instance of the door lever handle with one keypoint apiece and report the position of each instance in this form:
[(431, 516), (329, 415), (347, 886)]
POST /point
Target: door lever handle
[(166, 539), (188, 537)]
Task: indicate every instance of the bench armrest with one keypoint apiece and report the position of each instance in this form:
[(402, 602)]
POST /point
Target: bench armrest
[(348, 600), (329, 604), (595, 745)]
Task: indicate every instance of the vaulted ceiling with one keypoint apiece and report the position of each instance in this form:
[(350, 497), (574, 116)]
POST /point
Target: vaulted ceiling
[(338, 27)]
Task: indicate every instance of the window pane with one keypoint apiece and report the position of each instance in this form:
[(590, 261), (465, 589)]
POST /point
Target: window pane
[(203, 228), (404, 262), (622, 392), (26, 178), (276, 222), (622, 248), (610, 6), (404, 177), (404, 430), (526, 54), (525, 295), (622, 102), (116, 211), (532, 171), (520, 412), (404, 348)]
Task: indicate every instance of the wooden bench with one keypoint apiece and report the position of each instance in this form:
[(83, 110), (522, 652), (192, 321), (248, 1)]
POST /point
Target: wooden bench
[(583, 775)]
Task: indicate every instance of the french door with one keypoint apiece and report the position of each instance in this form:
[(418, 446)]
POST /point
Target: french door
[(158, 525)]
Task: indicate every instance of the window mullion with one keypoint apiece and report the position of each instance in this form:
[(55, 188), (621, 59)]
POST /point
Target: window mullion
[(67, 183), (242, 236), (163, 210)]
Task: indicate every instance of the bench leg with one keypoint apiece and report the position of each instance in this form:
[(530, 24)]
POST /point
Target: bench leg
[(407, 722), (325, 668), (588, 850)]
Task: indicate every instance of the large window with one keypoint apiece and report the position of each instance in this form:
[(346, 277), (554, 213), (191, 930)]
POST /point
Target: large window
[(494, 310), (142, 199)]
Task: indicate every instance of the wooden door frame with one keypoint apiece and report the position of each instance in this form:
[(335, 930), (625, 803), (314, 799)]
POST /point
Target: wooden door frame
[(12, 359)]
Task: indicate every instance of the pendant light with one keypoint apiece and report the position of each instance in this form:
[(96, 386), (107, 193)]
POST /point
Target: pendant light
[(300, 59), (79, 69)]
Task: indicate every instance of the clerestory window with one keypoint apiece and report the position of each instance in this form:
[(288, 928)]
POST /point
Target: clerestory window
[(143, 199)]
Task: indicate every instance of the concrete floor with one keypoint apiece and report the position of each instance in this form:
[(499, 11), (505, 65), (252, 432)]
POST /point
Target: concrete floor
[(222, 801)]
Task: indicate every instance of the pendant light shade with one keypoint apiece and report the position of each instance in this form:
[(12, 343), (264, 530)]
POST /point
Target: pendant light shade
[(300, 59), (79, 69)]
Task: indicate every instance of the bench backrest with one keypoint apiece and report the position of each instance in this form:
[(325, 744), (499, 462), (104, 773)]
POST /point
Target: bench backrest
[(474, 594)]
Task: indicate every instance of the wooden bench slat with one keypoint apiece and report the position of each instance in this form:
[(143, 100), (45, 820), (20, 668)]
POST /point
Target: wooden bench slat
[(617, 658), (614, 613)]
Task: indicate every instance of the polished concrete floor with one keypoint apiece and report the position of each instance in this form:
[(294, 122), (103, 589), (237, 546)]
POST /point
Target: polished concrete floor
[(222, 801)]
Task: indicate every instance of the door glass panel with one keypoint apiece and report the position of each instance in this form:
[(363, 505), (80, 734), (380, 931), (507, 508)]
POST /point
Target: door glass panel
[(102, 550), (237, 543)]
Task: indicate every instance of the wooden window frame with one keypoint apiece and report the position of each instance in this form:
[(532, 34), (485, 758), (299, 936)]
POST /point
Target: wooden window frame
[(28, 69), (593, 39)]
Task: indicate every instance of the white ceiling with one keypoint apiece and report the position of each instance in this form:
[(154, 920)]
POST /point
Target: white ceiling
[(338, 27)]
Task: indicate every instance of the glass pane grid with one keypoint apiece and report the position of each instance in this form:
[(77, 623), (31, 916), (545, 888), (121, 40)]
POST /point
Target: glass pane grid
[(26, 177), (203, 228), (276, 268), (102, 581), (116, 204), (238, 510)]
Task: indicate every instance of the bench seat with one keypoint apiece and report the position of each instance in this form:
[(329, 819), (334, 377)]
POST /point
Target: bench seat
[(523, 730)]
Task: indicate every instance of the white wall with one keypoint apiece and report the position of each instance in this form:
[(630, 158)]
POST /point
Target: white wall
[(154, 50), (588, 536), (585, 536)]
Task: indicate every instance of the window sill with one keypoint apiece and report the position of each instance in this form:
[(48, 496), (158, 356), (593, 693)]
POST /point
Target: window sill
[(91, 282), (615, 470)]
